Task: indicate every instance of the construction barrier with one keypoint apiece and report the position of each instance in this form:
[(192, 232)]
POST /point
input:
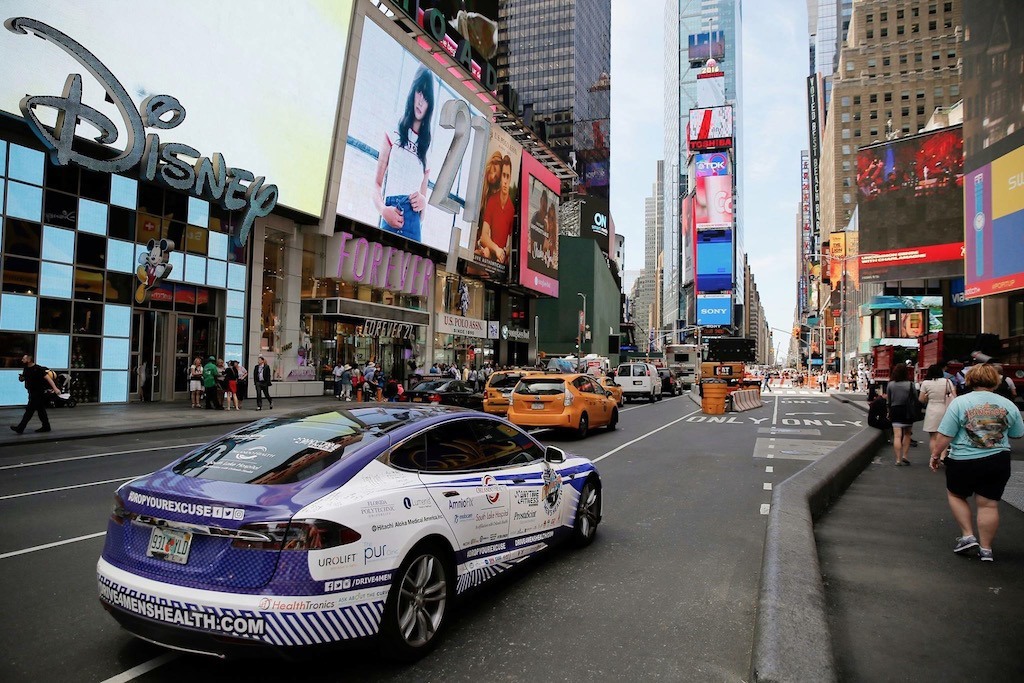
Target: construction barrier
[(746, 399), (713, 399)]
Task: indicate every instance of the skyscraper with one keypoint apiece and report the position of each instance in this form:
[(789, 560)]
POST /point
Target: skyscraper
[(557, 55), (696, 31)]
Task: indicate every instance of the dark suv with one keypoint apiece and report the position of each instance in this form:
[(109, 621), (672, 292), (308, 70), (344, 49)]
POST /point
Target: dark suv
[(669, 383)]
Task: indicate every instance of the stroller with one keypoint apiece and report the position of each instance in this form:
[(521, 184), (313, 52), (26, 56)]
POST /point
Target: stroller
[(63, 398)]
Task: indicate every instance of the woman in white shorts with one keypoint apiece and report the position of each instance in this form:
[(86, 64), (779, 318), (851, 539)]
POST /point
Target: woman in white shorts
[(195, 381)]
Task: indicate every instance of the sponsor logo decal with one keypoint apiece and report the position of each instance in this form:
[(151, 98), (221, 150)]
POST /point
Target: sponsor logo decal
[(551, 491), (328, 446), (295, 605), (251, 453), (462, 517), (535, 538), (249, 626), (460, 504), (376, 508), (529, 497), (336, 560), (183, 508), (357, 582), (491, 489), (532, 514), (407, 502)]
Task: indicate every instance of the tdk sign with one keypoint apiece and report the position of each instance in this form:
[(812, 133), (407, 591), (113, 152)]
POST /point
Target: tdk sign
[(715, 164)]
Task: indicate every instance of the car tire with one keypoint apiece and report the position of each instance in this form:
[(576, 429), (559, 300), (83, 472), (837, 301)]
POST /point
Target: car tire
[(588, 515), (583, 427), (422, 592), (652, 398), (614, 421)]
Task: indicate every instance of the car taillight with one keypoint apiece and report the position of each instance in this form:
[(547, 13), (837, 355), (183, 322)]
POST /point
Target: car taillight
[(307, 534), (568, 399), (120, 515), (435, 398)]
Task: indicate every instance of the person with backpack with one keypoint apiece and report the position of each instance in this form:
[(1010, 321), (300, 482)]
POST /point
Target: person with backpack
[(37, 381)]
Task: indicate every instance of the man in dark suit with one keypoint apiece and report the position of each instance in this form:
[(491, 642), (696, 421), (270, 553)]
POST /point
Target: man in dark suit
[(37, 381), (262, 382)]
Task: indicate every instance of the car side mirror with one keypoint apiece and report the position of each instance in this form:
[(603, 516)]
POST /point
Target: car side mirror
[(554, 455)]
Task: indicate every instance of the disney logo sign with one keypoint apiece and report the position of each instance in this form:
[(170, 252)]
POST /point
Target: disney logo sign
[(170, 163)]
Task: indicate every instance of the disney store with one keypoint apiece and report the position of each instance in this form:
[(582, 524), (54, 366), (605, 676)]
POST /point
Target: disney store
[(126, 213)]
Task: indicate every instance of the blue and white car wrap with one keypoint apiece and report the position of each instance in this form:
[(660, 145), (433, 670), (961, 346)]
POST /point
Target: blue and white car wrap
[(226, 585)]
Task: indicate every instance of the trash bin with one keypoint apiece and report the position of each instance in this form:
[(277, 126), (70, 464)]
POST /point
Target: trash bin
[(714, 392)]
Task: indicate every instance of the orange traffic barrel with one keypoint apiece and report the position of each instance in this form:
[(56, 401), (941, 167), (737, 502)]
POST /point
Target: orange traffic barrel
[(713, 399)]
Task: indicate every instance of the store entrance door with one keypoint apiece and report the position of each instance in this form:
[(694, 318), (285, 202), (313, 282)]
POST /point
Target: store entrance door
[(148, 353)]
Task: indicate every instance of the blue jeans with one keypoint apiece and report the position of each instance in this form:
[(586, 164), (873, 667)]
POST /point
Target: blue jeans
[(411, 227)]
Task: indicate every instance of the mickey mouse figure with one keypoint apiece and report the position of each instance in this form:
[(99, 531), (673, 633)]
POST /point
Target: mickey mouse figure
[(153, 267)]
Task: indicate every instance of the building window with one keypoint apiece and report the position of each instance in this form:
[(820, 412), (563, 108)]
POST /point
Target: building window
[(906, 129), (915, 28), (846, 101), (873, 98), (846, 198), (869, 35), (856, 133), (884, 32), (933, 9), (918, 57), (938, 93), (899, 14), (849, 66), (903, 59), (954, 90), (845, 118), (874, 133), (870, 19), (905, 95), (947, 7), (856, 116), (846, 165), (951, 54), (871, 62), (900, 30), (914, 11), (920, 110), (932, 25), (846, 150), (888, 97), (885, 60), (905, 111), (846, 133), (856, 100), (935, 56), (920, 94), (873, 115), (883, 16)]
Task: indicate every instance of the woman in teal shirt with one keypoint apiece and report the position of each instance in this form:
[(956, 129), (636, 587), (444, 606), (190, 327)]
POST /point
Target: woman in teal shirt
[(977, 428)]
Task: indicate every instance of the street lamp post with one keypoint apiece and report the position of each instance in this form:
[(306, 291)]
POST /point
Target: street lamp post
[(583, 330)]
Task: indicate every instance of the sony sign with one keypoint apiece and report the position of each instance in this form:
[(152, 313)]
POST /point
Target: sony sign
[(173, 164)]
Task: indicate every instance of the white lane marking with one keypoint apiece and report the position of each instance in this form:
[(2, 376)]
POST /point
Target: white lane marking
[(66, 488), (144, 668), (769, 469), (765, 508), (775, 413), (33, 549), (642, 437), (100, 455), (767, 486)]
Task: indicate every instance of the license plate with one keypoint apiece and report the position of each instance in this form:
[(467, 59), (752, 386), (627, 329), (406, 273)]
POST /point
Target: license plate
[(170, 544), (417, 400), (637, 382), (537, 406)]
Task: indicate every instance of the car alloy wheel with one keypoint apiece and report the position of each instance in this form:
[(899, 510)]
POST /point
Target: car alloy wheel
[(581, 431), (417, 604), (588, 515)]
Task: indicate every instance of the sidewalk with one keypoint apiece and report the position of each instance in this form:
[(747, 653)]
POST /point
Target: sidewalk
[(900, 604), (107, 419)]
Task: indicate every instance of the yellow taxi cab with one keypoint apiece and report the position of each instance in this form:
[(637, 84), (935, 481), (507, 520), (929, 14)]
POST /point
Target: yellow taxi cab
[(499, 387), (611, 387), (568, 401)]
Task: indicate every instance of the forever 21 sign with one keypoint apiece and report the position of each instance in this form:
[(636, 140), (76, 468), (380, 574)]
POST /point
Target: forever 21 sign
[(236, 189)]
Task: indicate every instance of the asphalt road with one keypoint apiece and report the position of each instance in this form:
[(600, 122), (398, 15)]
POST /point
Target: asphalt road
[(668, 590)]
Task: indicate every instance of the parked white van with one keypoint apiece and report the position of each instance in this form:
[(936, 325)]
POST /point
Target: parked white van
[(638, 380)]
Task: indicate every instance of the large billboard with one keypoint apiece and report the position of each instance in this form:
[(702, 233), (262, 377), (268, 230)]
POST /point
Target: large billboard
[(714, 309), (538, 238), (994, 203), (992, 51), (595, 222), (497, 225), (714, 261), (476, 20), (283, 131), (707, 45), (713, 202), (910, 203), (710, 128), (396, 150), (711, 164)]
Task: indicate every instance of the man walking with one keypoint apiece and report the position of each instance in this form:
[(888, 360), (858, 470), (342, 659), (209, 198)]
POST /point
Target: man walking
[(210, 385), (262, 381), (36, 379), (767, 384)]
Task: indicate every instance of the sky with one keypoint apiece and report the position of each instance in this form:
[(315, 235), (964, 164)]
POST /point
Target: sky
[(772, 103)]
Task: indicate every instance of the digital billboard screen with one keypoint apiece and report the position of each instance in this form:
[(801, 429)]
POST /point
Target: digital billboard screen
[(714, 309), (713, 203), (476, 20), (284, 132), (712, 164), (395, 147), (910, 205), (714, 261), (538, 238), (710, 128), (595, 222), (707, 45), (497, 224), (994, 216)]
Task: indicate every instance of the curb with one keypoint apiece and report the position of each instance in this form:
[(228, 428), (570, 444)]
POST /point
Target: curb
[(792, 641), (856, 404)]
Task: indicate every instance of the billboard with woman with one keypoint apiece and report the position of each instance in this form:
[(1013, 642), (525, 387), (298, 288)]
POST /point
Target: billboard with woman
[(538, 240), (395, 146)]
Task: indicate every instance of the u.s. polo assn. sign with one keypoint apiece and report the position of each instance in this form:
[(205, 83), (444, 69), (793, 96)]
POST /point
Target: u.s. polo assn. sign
[(168, 163)]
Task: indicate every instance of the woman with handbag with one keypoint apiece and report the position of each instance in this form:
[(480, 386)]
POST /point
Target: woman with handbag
[(937, 392), (903, 410)]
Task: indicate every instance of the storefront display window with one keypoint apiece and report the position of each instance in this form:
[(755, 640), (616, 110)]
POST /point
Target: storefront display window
[(466, 298)]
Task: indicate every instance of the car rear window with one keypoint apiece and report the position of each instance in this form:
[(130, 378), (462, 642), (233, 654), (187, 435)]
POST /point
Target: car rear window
[(432, 386), (541, 386), (625, 370), (285, 451), (504, 380)]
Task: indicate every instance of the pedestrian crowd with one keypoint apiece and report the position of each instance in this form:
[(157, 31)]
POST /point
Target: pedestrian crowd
[(969, 414)]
